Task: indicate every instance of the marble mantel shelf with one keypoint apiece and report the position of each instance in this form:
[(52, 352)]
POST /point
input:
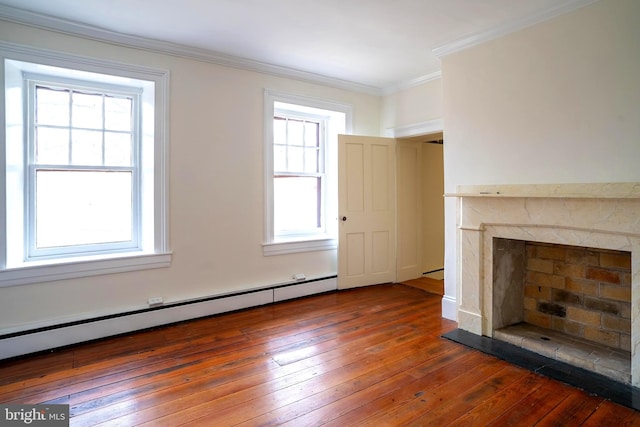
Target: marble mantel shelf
[(615, 190)]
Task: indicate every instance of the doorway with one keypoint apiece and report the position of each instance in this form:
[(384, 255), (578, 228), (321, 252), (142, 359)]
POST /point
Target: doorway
[(420, 212)]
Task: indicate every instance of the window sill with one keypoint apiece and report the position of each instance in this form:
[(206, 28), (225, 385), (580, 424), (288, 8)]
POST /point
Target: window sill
[(297, 246), (73, 269)]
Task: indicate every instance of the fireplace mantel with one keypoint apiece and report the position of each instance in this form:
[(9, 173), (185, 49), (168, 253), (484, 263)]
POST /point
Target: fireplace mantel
[(617, 190), (600, 215)]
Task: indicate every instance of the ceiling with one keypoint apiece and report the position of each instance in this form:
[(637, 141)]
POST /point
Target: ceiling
[(378, 44)]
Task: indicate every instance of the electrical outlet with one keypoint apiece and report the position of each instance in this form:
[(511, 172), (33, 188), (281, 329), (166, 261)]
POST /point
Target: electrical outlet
[(155, 301)]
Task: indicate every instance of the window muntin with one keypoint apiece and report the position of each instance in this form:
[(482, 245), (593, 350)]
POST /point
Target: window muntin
[(83, 184)]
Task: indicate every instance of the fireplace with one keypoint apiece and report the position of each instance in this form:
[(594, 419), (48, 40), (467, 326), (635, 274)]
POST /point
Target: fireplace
[(592, 218)]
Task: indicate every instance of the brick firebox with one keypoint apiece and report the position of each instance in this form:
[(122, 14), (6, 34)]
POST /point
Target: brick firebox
[(582, 292)]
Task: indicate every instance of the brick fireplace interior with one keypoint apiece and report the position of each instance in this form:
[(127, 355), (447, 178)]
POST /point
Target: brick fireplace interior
[(567, 302)]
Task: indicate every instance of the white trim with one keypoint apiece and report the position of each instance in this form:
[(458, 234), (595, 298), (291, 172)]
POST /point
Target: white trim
[(28, 53), (408, 84), (99, 34), (83, 268), (416, 129), (281, 248), (510, 27), (449, 308), (304, 289)]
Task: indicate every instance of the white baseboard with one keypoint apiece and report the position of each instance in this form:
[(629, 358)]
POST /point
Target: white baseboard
[(55, 337), (449, 308), (297, 291)]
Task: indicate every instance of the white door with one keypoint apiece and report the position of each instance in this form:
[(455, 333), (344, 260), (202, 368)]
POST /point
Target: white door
[(366, 208)]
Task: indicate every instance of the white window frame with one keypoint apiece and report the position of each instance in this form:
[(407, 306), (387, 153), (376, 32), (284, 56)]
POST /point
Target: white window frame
[(337, 118), (32, 252), (17, 64), (322, 229)]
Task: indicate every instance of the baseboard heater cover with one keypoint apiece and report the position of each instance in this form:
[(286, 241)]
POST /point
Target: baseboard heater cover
[(52, 337)]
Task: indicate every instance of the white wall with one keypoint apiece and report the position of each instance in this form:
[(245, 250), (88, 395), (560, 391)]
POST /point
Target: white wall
[(216, 190), (555, 103), (413, 105)]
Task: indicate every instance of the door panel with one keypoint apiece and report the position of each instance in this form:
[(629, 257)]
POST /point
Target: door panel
[(354, 157), (355, 254), (380, 246), (366, 203), (380, 177)]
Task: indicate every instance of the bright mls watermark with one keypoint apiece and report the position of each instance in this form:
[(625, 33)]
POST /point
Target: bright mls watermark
[(34, 415)]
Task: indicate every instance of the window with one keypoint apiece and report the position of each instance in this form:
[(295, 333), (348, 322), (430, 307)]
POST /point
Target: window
[(85, 162), (82, 178), (301, 165), (298, 176)]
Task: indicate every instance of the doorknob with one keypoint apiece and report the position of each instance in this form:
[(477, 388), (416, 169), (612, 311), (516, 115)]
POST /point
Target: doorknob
[(344, 218)]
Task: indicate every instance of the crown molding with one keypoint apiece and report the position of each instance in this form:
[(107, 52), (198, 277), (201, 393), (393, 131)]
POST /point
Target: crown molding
[(416, 129), (407, 84), (77, 29), (511, 27)]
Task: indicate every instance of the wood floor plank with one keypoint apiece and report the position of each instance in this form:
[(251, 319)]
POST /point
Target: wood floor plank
[(349, 409), (466, 399), (339, 356), (535, 405), (610, 414), (342, 353), (572, 411), (425, 394), (434, 286), (487, 411), (392, 403), (348, 379), (55, 385), (367, 356)]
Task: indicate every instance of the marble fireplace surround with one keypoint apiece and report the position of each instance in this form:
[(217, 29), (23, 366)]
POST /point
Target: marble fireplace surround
[(601, 215)]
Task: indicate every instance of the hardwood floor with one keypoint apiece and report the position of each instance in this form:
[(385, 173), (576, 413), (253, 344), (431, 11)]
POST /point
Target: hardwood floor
[(367, 357), (428, 284)]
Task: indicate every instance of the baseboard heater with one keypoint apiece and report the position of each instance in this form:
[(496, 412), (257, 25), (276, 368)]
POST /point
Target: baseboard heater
[(56, 336)]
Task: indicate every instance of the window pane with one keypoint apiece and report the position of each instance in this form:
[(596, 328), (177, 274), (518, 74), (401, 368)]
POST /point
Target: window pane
[(82, 207), (280, 158), (296, 132), (52, 107), (117, 113), (296, 159), (86, 111), (311, 134), (117, 149), (279, 130), (311, 163), (86, 148), (297, 203), (52, 146)]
